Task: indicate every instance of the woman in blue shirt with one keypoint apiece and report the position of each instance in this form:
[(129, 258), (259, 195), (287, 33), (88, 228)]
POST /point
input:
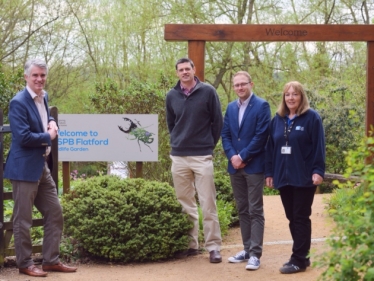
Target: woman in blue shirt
[(295, 164)]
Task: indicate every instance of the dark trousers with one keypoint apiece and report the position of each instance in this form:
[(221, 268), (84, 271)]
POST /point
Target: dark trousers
[(248, 191), (297, 203), (44, 196)]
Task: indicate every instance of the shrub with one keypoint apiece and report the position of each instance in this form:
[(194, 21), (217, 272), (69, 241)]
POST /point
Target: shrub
[(225, 210), (271, 191), (225, 194), (223, 187), (125, 219), (352, 208)]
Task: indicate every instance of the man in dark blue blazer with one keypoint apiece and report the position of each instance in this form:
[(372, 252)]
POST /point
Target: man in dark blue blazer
[(244, 135), (26, 166)]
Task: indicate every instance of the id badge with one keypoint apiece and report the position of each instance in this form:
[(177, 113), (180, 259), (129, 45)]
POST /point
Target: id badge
[(286, 150)]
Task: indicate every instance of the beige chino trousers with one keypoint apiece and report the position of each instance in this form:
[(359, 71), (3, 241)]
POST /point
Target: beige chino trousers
[(193, 174)]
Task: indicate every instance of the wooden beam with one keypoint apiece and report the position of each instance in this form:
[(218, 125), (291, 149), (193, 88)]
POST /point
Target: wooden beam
[(370, 88), (196, 52), (269, 32), (12, 252), (9, 225)]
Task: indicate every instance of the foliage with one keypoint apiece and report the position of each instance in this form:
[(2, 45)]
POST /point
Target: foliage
[(225, 210), (344, 127), (219, 160), (326, 187), (10, 84), (225, 194), (223, 187), (87, 169), (8, 209), (271, 191), (352, 207), (125, 220), (70, 249)]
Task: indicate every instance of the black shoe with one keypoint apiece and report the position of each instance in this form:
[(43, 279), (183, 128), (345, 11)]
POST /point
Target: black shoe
[(307, 263), (185, 253), (215, 256), (291, 268)]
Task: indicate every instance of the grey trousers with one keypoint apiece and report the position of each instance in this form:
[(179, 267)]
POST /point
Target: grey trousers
[(43, 195), (248, 192)]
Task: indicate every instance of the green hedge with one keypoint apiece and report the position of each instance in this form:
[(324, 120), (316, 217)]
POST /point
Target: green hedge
[(351, 254), (125, 219)]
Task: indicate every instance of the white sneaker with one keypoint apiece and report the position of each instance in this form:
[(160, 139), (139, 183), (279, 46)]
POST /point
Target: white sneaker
[(253, 263), (239, 257)]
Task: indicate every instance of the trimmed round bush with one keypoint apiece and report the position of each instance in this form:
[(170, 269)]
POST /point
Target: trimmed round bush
[(126, 219)]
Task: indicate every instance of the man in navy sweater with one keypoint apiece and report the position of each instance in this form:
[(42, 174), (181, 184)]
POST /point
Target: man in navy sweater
[(194, 120)]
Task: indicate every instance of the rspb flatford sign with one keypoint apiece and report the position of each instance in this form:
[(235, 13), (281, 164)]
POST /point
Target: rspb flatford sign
[(108, 137)]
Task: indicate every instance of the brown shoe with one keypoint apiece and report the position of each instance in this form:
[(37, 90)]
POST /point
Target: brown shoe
[(60, 267), (215, 256), (32, 270)]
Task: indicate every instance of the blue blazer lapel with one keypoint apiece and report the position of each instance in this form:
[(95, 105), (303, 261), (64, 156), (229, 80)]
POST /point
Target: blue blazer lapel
[(31, 104), (236, 116)]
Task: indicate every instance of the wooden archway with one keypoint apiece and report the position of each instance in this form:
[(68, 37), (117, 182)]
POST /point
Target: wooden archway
[(198, 34)]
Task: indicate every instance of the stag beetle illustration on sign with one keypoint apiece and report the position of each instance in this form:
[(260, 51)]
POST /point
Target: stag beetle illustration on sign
[(139, 133)]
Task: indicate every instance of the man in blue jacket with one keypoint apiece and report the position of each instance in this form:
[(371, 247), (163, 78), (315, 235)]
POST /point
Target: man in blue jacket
[(33, 129), (244, 135)]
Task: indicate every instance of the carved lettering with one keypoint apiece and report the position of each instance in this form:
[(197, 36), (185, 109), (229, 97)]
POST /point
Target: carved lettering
[(285, 32)]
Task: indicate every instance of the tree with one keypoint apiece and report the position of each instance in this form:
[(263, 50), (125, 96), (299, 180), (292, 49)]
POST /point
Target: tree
[(89, 42)]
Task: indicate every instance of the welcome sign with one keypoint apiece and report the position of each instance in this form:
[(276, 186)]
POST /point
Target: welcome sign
[(108, 137)]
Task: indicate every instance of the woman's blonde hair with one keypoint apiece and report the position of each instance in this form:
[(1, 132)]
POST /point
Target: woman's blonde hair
[(304, 103)]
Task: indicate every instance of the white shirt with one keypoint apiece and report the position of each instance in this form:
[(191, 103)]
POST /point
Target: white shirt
[(39, 102), (242, 107)]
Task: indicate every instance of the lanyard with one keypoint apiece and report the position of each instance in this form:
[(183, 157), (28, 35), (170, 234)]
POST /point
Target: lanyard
[(287, 129)]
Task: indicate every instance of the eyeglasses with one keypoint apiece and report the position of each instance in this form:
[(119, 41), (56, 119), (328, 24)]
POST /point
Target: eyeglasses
[(241, 85)]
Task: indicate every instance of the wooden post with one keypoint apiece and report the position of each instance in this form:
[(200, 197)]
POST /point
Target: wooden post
[(65, 177), (139, 170), (54, 149), (196, 52), (370, 88)]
